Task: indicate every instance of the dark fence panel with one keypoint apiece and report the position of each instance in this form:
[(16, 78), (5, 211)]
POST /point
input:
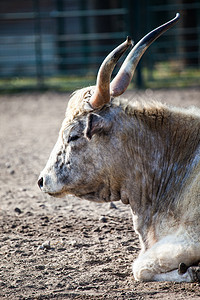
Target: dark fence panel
[(61, 43), (175, 58)]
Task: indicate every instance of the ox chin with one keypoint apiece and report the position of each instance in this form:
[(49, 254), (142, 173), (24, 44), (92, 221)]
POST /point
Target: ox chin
[(58, 195), (92, 196), (101, 195)]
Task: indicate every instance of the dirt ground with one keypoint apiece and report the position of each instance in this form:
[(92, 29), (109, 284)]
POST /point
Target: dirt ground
[(89, 247)]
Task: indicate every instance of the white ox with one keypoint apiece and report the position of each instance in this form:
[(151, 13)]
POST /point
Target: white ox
[(146, 155)]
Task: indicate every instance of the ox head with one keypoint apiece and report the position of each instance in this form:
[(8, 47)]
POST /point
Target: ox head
[(88, 159)]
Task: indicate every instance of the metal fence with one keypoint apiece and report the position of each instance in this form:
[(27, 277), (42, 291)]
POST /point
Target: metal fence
[(60, 43)]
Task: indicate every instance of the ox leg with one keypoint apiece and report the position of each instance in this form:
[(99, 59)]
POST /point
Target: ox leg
[(162, 260), (191, 275)]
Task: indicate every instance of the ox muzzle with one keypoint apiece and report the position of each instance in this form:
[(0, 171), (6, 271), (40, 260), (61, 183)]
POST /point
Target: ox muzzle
[(49, 184)]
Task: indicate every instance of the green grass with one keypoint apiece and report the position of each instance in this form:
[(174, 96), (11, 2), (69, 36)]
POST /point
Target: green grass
[(164, 75), (61, 84), (69, 83)]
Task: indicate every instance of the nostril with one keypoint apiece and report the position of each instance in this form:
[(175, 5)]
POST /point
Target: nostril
[(40, 183)]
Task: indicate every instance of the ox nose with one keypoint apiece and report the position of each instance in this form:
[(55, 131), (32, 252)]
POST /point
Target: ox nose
[(40, 182), (48, 183)]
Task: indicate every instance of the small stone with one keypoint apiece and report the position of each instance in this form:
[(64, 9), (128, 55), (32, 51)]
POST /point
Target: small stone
[(73, 243), (103, 219), (8, 165), (40, 247), (18, 210), (2, 283), (112, 205), (32, 196), (46, 245), (40, 267), (22, 189), (42, 205), (29, 213), (12, 172)]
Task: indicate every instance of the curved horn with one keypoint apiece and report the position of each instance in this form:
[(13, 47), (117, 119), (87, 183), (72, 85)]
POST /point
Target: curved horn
[(101, 94), (125, 74)]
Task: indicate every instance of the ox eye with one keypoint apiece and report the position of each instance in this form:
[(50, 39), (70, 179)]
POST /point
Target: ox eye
[(73, 138)]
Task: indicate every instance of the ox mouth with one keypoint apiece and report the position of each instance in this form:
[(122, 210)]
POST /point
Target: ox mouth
[(57, 195), (88, 196)]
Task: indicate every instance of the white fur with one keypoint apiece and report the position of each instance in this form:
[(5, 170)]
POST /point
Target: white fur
[(160, 262)]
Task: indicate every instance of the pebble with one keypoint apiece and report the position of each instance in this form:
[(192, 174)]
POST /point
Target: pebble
[(29, 213), (23, 189), (2, 283), (112, 205), (32, 196), (40, 247), (103, 219), (18, 210), (40, 267), (73, 243), (45, 245), (42, 205)]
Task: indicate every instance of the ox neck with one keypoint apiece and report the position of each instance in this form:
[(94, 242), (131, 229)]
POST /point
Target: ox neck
[(164, 150)]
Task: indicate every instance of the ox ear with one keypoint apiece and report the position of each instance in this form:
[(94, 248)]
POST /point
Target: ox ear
[(96, 124)]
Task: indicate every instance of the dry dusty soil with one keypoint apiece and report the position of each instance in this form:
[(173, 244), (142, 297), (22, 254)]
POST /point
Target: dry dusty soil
[(92, 246)]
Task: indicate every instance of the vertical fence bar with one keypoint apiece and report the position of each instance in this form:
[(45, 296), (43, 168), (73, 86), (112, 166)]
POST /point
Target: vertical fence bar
[(84, 28), (134, 16), (61, 45), (139, 78), (38, 45), (149, 61)]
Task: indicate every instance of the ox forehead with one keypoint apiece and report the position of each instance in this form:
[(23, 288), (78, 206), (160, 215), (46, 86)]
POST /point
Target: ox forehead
[(146, 154)]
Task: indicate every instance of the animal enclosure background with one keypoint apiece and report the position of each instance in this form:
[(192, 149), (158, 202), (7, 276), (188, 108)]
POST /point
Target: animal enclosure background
[(59, 44)]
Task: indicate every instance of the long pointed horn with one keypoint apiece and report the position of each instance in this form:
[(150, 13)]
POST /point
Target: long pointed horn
[(125, 74), (101, 94)]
